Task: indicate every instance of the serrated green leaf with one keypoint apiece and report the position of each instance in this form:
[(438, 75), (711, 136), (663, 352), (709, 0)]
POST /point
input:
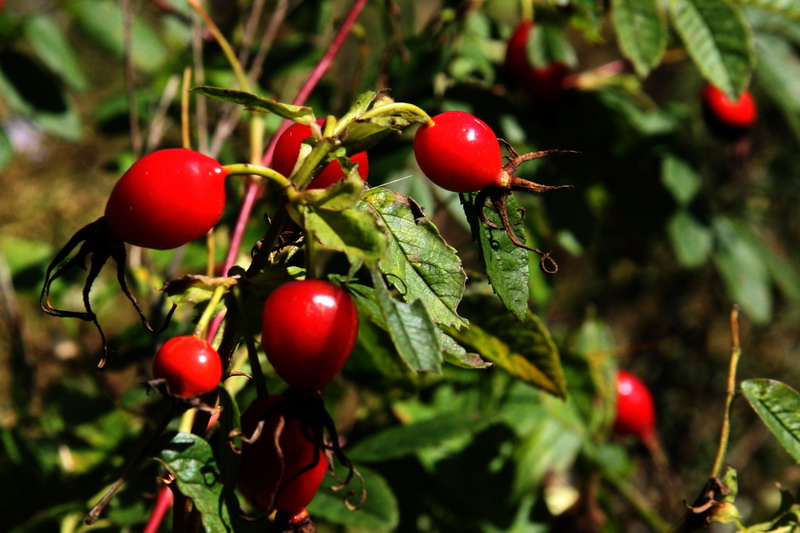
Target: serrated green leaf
[(718, 40), (741, 265), (299, 114), (356, 233), (189, 458), (506, 264), (399, 441), (379, 513), (337, 197), (526, 351), (691, 240), (418, 262), (452, 352), (413, 333), (680, 178), (786, 8), (641, 30), (778, 406)]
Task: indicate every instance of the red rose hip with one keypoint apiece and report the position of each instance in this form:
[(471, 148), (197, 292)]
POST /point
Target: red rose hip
[(189, 365), (309, 329)]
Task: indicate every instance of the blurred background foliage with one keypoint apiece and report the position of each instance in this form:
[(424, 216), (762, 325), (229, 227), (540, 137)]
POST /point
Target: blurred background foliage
[(666, 228)]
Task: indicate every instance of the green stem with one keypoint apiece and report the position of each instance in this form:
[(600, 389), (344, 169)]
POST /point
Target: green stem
[(730, 393), (642, 507), (252, 351), (304, 174), (227, 49), (257, 170), (208, 312), (398, 106)]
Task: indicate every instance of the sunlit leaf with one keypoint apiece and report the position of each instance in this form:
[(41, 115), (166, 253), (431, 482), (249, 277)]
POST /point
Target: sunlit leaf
[(189, 458), (526, 351), (418, 263), (778, 405), (300, 114)]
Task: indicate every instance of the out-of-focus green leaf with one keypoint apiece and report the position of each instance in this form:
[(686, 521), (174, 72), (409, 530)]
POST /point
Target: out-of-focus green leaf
[(380, 510), (102, 21), (778, 405), (547, 43), (414, 334), (526, 351), (718, 40), (779, 75), (6, 149), (189, 458), (195, 288), (594, 342), (679, 178), (47, 39), (641, 30), (418, 263), (786, 8), (299, 114), (398, 441), (506, 264), (741, 265), (691, 240)]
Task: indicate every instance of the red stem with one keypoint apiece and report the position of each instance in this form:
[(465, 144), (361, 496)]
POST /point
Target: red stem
[(254, 186), (163, 503)]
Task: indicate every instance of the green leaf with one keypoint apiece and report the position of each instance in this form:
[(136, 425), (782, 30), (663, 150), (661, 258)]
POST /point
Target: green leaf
[(453, 353), (742, 267), (787, 8), (6, 149), (418, 263), (778, 405), (189, 458), (506, 264), (547, 43), (680, 178), (399, 441), (195, 288), (594, 342), (526, 351), (51, 46), (253, 102), (691, 240), (355, 232), (641, 30), (379, 513), (718, 41), (779, 74), (413, 333), (102, 20)]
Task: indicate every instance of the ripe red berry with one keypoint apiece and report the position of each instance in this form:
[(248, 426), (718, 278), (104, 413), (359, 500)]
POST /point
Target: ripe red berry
[(636, 414), (284, 480), (541, 82), (287, 150), (190, 366), (727, 117), (459, 152), (309, 329), (167, 198)]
